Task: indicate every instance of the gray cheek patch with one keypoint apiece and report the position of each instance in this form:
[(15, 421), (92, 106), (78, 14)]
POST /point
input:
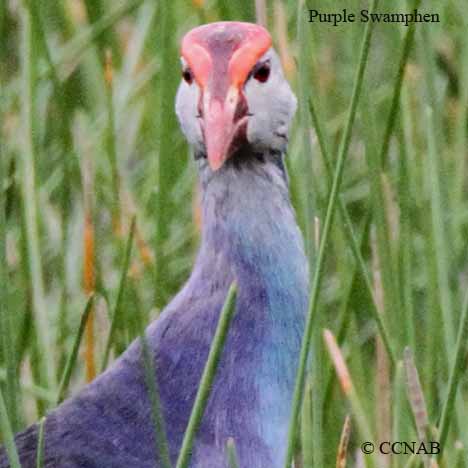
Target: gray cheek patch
[(273, 105), (186, 110)]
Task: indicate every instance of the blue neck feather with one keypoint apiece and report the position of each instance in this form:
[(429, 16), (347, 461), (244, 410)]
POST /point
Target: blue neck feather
[(250, 235)]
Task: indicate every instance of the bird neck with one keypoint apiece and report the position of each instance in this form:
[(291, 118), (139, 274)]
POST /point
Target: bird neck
[(248, 221), (250, 235)]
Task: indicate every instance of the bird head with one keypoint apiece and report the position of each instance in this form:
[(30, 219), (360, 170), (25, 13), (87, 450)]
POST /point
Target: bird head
[(233, 92)]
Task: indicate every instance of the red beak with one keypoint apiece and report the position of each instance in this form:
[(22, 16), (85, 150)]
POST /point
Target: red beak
[(219, 129), (221, 124)]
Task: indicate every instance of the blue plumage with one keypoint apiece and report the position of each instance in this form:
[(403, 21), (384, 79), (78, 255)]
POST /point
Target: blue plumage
[(249, 235)]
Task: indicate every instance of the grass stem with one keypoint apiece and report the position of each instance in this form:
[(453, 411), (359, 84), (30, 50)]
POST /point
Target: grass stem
[(29, 199), (118, 303), (332, 202), (458, 366), (7, 435), (40, 444), (207, 378), (71, 361)]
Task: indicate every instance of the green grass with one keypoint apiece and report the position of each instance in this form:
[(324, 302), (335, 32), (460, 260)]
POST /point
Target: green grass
[(207, 378), (380, 140)]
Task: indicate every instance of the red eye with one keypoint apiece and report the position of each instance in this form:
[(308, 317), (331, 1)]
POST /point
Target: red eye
[(187, 76), (262, 73)]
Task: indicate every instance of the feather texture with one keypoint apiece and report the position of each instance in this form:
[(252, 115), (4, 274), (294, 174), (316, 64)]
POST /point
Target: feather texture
[(249, 235)]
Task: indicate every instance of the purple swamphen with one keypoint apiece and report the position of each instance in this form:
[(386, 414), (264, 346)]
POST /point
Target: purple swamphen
[(235, 107)]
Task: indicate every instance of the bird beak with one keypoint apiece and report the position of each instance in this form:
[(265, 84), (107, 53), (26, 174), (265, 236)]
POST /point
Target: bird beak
[(220, 126)]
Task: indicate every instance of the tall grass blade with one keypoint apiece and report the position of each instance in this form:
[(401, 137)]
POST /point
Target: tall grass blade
[(405, 51), (261, 12), (460, 455), (439, 235), (341, 456), (111, 141), (40, 444), (231, 453), (89, 267), (162, 445), (382, 368), (150, 372), (400, 424), (7, 435), (167, 170), (347, 386), (7, 342), (207, 378), (416, 399), (118, 303), (456, 372), (65, 143), (307, 427), (332, 201), (303, 31), (385, 230), (416, 395), (29, 195), (71, 362), (350, 234)]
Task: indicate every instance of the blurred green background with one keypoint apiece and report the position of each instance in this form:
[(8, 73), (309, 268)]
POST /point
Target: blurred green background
[(89, 141)]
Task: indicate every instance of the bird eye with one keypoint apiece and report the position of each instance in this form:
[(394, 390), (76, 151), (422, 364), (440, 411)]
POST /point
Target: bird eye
[(262, 73), (187, 76)]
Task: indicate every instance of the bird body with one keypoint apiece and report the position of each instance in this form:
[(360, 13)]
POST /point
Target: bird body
[(249, 235)]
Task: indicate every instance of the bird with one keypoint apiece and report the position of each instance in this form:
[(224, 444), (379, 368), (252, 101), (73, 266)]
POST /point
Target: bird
[(235, 108)]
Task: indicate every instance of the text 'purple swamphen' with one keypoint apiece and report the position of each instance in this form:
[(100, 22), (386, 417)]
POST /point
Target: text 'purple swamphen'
[(235, 107)]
